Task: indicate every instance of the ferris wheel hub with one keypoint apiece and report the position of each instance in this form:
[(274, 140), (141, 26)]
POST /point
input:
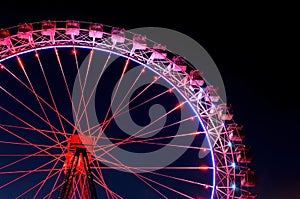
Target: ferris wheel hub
[(78, 142)]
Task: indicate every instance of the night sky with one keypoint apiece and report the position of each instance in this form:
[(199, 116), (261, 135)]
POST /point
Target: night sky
[(252, 46)]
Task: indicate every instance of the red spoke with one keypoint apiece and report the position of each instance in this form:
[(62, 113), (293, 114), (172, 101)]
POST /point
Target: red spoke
[(132, 85), (119, 113), (23, 121), (106, 123), (114, 95), (25, 155), (156, 138), (54, 185), (27, 144), (27, 107), (144, 169), (126, 168), (133, 135), (26, 174), (31, 129), (43, 100), (24, 158), (25, 171), (92, 92), (65, 81), (36, 96), (99, 172), (81, 88), (50, 92), (172, 145), (117, 88), (33, 187), (48, 176)]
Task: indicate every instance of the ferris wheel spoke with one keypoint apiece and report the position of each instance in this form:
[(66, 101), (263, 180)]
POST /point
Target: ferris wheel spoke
[(157, 138), (48, 176), (26, 171), (105, 123), (140, 93), (109, 192), (40, 98), (119, 165), (168, 145), (117, 88), (32, 155), (26, 174), (203, 168), (118, 112), (24, 155), (26, 123), (100, 177), (128, 92), (148, 141), (135, 135), (166, 187), (32, 129), (50, 91), (65, 82), (146, 180), (167, 137), (152, 139), (81, 85), (137, 132), (55, 187), (76, 189), (91, 53), (27, 107), (79, 114), (36, 96), (36, 185)]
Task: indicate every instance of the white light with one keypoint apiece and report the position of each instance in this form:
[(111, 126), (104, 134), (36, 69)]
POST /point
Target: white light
[(233, 186), (233, 164)]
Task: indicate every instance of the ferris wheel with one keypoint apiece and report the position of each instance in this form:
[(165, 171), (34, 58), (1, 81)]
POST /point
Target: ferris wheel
[(93, 111)]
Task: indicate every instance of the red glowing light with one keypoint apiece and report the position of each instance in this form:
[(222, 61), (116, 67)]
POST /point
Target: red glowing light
[(126, 65), (1, 66), (206, 186), (170, 90), (196, 133), (74, 52), (36, 55), (143, 70), (179, 105), (20, 62), (155, 77), (203, 167)]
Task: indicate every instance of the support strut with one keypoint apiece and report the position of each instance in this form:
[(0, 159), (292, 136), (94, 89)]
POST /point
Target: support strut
[(68, 184)]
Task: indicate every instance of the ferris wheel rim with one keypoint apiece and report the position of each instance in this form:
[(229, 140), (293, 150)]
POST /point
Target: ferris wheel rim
[(142, 61)]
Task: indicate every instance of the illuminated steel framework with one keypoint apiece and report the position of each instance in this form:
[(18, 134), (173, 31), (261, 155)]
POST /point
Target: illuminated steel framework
[(233, 177), (77, 168)]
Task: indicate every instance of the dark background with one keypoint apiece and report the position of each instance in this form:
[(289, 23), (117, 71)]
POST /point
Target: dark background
[(253, 46)]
